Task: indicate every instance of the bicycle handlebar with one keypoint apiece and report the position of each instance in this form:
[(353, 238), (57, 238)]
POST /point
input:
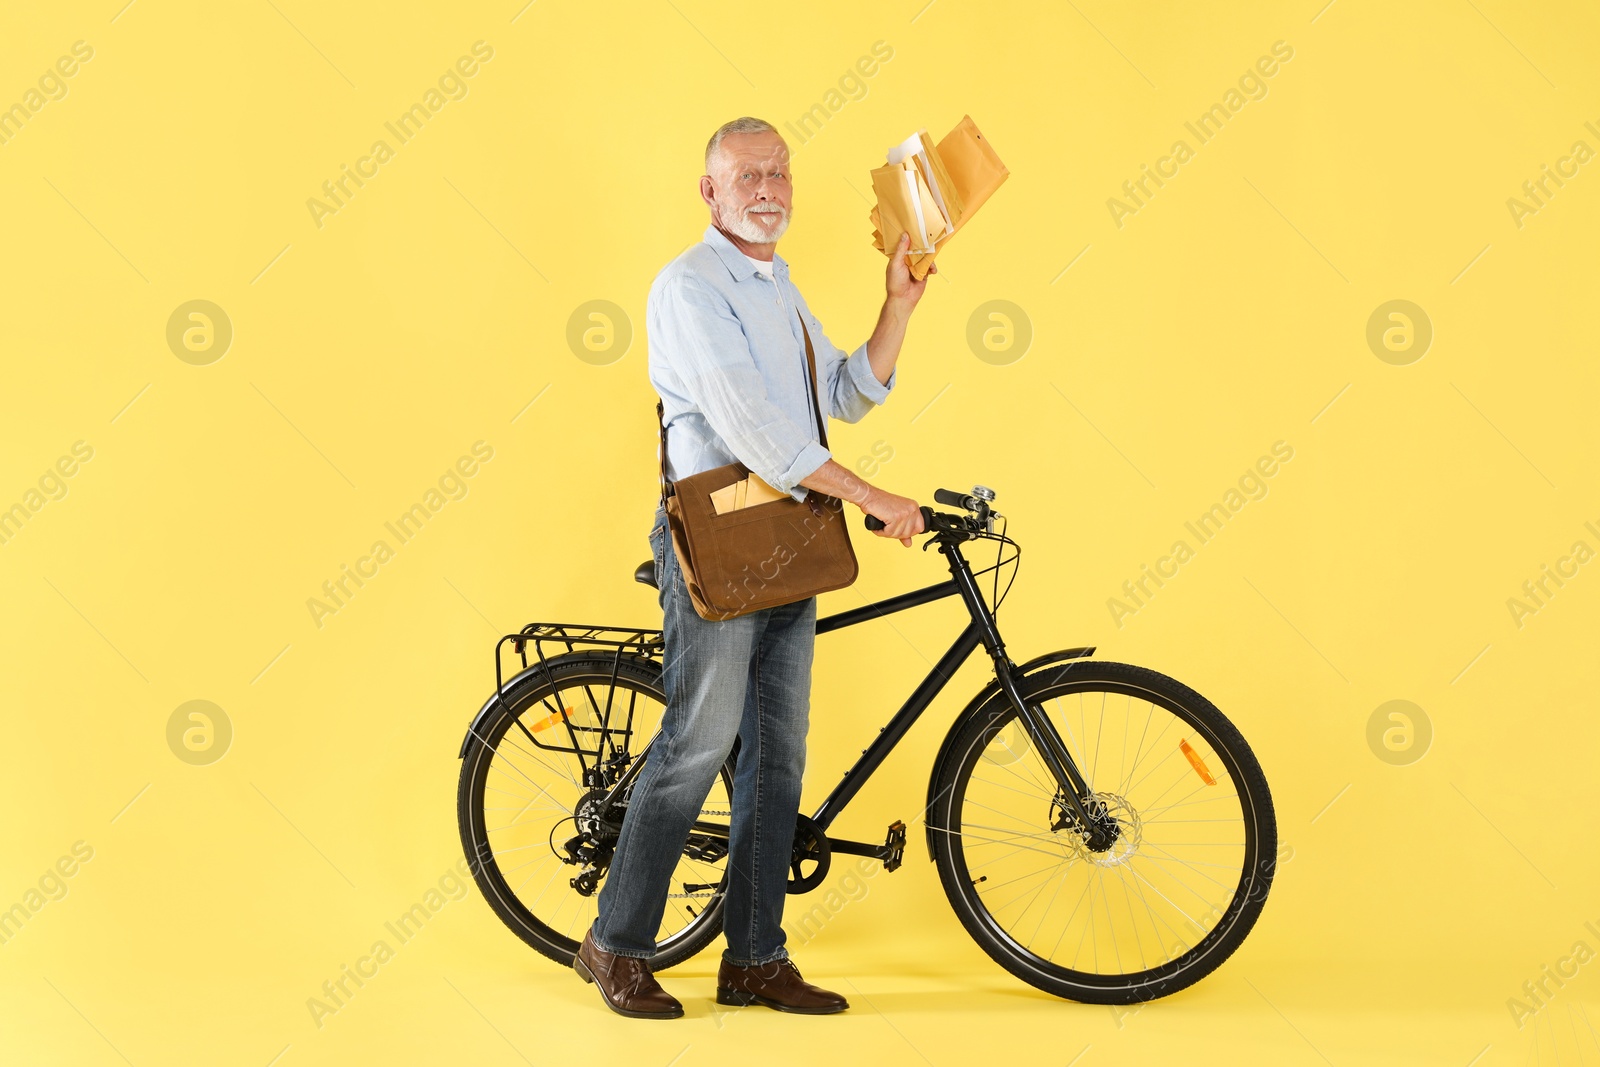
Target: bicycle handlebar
[(978, 520)]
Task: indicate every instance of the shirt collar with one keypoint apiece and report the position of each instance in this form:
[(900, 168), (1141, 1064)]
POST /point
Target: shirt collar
[(737, 262)]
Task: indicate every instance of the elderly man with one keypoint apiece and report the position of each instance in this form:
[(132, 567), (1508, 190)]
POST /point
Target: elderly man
[(728, 357)]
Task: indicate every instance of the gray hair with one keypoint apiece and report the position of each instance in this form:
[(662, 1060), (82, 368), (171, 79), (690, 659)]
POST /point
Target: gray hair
[(744, 124)]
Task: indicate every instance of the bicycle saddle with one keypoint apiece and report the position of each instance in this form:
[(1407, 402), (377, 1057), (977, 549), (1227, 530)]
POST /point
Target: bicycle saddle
[(646, 573)]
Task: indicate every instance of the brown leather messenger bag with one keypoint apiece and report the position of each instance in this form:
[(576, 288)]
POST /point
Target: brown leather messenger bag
[(763, 555)]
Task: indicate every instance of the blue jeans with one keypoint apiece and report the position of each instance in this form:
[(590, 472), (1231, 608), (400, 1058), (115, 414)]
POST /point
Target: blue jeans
[(747, 678)]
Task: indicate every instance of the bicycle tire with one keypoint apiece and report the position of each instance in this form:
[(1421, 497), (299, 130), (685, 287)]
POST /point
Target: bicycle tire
[(528, 691), (971, 736)]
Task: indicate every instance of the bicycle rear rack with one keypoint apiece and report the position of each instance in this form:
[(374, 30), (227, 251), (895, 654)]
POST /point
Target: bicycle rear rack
[(551, 640)]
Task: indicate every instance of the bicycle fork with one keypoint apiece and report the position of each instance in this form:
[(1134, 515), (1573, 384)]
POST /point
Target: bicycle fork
[(1074, 793)]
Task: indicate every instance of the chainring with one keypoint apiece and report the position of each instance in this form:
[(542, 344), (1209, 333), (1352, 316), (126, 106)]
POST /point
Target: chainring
[(810, 847)]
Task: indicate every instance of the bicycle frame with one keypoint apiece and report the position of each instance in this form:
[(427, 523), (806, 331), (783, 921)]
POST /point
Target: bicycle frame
[(981, 629)]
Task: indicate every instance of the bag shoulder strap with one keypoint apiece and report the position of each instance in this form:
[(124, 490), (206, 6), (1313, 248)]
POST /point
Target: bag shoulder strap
[(811, 380), (666, 487), (811, 391)]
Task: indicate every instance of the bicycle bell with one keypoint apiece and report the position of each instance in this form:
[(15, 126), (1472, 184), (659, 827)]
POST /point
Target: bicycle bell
[(979, 502)]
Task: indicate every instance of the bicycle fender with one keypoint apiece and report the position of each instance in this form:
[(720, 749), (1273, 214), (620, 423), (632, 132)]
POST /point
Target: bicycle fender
[(481, 720), (533, 675), (988, 693)]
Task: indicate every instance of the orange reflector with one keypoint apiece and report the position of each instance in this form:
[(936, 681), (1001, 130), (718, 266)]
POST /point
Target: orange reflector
[(556, 716), (1197, 763)]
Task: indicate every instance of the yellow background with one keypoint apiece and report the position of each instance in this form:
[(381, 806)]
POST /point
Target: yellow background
[(368, 354)]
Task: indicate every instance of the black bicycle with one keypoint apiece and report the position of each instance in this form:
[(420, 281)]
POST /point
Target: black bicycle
[(1100, 829)]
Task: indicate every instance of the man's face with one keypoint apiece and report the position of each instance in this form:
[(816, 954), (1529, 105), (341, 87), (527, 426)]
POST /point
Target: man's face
[(749, 189)]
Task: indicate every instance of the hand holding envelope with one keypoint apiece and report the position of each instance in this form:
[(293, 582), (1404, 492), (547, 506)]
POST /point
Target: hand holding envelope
[(930, 191)]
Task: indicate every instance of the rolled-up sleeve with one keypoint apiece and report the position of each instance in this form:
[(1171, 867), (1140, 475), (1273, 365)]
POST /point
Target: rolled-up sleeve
[(712, 357), (853, 389)]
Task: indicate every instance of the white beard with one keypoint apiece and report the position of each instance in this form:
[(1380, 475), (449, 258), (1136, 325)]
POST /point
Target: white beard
[(742, 226)]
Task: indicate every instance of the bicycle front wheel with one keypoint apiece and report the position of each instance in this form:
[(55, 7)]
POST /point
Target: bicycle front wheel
[(1178, 889)]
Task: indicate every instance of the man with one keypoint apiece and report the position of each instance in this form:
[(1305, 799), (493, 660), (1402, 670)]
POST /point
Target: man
[(728, 357)]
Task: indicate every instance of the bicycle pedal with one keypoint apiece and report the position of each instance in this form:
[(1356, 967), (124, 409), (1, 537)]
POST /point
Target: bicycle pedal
[(894, 846)]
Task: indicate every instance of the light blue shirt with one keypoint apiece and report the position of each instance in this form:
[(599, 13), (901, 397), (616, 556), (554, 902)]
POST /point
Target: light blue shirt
[(728, 359)]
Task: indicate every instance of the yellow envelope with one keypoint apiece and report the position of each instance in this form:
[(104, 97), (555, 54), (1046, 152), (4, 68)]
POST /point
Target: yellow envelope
[(966, 170), (907, 204), (974, 167), (925, 154), (745, 493)]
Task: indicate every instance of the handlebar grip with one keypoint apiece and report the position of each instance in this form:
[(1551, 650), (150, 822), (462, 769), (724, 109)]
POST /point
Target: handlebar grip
[(950, 497), (873, 523)]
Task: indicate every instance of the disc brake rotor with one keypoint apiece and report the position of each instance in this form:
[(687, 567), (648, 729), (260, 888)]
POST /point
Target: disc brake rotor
[(1106, 807)]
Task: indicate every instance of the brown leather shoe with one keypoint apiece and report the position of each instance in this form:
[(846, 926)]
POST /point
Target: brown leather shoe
[(777, 985), (625, 983)]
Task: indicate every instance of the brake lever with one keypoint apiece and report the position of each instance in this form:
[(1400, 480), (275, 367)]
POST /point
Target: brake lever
[(971, 525)]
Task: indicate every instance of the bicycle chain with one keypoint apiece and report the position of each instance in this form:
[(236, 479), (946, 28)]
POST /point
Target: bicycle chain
[(693, 896)]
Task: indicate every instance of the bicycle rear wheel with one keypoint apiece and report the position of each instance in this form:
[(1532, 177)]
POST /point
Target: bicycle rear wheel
[(1177, 891), (529, 814)]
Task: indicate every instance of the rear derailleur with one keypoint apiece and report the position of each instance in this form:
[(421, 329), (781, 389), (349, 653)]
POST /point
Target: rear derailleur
[(592, 846)]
